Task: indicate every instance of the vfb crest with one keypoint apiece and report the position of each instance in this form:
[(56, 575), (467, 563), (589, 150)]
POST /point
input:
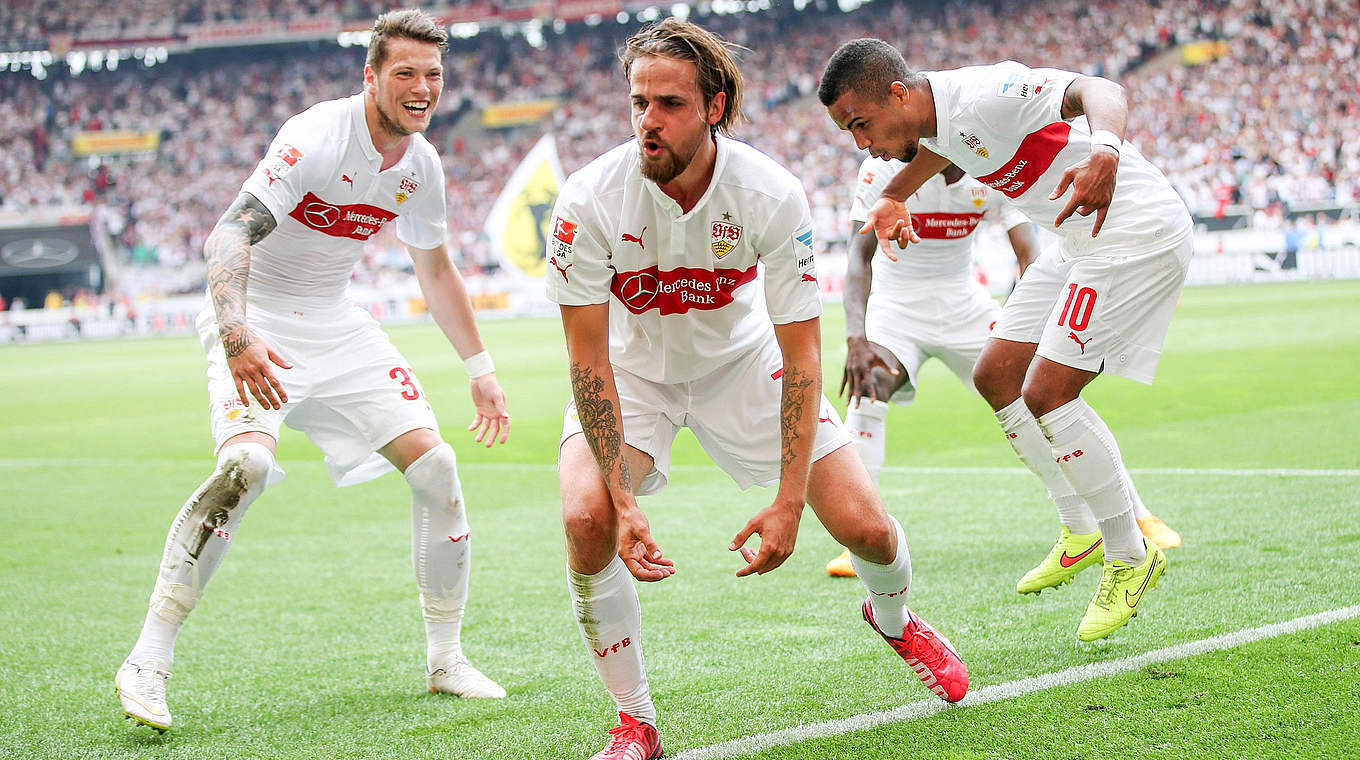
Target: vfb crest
[(725, 237)]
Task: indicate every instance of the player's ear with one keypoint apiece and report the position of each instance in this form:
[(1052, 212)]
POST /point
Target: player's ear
[(370, 80), (899, 92), (716, 108)]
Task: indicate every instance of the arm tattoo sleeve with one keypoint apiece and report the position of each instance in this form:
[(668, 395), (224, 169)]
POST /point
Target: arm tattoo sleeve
[(796, 385), (1071, 102), (600, 424), (227, 253)]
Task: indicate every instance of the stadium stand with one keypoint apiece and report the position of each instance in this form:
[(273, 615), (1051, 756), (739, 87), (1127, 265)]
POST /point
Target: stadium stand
[(1247, 105)]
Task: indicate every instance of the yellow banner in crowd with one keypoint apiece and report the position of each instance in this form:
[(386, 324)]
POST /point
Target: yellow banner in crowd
[(105, 142)]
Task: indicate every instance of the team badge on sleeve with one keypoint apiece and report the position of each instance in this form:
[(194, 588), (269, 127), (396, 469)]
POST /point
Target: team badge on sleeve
[(725, 237)]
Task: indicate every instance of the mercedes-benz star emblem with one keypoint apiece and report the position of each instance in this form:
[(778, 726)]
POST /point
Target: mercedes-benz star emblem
[(39, 253), (639, 290), (321, 215)]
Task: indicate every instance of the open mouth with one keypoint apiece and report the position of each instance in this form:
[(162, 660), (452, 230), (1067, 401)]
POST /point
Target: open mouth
[(417, 108), (652, 148)]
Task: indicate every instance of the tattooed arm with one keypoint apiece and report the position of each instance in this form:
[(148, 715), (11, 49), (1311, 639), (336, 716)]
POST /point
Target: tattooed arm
[(800, 403), (597, 406), (1092, 178), (227, 253)]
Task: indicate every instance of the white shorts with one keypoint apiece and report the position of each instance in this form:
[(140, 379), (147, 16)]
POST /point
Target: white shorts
[(1097, 313), (950, 321), (350, 391), (733, 411)]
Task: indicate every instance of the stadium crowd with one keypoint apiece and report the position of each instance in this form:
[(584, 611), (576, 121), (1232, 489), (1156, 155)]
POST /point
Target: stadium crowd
[(1265, 123)]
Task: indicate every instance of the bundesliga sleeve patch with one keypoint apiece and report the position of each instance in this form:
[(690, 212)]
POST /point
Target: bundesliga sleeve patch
[(281, 162)]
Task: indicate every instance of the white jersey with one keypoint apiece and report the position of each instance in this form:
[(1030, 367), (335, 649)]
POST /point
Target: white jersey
[(1003, 125), (685, 288), (321, 182), (944, 217)]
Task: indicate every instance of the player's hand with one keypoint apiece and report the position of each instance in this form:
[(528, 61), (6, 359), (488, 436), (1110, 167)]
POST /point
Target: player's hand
[(637, 549), (492, 422), (1092, 183), (777, 525), (250, 368), (889, 220), (861, 357)]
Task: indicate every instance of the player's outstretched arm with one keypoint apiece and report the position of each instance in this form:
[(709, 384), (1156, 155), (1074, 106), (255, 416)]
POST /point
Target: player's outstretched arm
[(1025, 244), (227, 254), (597, 405), (1092, 178), (800, 402), (447, 299), (888, 218), (860, 356)]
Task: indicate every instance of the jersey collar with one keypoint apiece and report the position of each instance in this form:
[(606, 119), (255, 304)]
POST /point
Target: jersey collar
[(359, 124), (943, 127)]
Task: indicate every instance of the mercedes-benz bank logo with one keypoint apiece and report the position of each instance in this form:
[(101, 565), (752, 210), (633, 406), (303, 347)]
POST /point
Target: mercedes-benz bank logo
[(321, 215), (639, 291), (39, 253)]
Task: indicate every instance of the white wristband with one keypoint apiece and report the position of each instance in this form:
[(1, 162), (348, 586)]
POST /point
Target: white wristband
[(478, 365), (1107, 138)]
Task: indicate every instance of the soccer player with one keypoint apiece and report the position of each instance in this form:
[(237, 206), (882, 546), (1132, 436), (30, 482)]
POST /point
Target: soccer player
[(928, 304), (334, 175), (657, 250), (1099, 302)]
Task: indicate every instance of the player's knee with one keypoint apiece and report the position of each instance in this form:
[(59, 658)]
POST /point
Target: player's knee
[(242, 467), (433, 478), (587, 521), (1042, 398), (993, 384), (873, 540), (884, 384)]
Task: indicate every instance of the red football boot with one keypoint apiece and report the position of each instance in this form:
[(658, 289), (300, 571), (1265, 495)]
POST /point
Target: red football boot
[(929, 654), (631, 740)]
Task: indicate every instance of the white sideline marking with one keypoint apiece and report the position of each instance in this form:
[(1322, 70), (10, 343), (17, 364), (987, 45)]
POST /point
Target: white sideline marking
[(34, 462), (925, 708)]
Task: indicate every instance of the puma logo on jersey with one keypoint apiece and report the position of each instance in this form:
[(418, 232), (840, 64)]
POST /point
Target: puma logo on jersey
[(625, 237), (808, 277), (346, 178), (1079, 341)]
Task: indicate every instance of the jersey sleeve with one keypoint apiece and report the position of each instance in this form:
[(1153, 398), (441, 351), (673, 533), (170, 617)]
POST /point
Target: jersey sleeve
[(1015, 97), (786, 248), (579, 264), (293, 163), (424, 223)]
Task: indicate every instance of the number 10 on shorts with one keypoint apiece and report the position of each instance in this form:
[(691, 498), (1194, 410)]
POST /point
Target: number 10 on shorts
[(1076, 313)]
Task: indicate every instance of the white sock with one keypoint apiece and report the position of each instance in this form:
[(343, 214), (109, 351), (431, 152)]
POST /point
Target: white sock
[(1033, 448), (440, 550), (198, 541), (866, 420), (1086, 451), (888, 585), (610, 617)]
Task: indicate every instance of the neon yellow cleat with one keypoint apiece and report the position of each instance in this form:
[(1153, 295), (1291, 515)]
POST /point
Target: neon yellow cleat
[(1122, 588), (1072, 554), (1160, 533), (840, 567)]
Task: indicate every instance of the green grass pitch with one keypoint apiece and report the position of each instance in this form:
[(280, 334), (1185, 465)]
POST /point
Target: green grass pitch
[(308, 643)]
